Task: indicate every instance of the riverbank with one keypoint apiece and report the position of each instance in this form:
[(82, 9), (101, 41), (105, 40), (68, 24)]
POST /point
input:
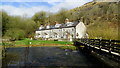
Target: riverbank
[(26, 42), (39, 43), (70, 47)]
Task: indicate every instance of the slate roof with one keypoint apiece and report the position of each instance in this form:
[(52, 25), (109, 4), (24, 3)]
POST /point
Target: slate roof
[(62, 26), (73, 25)]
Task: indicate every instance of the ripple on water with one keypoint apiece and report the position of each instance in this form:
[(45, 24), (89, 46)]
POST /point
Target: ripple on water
[(51, 56)]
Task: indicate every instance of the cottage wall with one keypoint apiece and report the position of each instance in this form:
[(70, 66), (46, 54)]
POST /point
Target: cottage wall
[(68, 32), (46, 33), (56, 33), (80, 30), (43, 34), (38, 34)]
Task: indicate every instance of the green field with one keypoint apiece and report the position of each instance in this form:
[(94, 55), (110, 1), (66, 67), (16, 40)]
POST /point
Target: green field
[(38, 42)]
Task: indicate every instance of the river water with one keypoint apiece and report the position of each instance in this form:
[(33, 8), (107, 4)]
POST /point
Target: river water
[(49, 56)]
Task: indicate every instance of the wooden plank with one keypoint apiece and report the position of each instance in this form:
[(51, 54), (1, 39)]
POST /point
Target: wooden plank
[(106, 45)]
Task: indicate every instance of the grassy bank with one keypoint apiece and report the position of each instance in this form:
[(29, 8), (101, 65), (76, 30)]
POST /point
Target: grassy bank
[(32, 43), (38, 42), (68, 47), (104, 30)]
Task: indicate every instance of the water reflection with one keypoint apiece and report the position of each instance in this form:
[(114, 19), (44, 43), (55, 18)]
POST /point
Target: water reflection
[(66, 53), (10, 59), (26, 56), (48, 56), (74, 51)]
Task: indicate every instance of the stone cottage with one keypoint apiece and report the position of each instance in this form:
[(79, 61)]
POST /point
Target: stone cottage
[(68, 31)]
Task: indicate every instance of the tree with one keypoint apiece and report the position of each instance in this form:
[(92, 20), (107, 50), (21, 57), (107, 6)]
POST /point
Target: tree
[(5, 20), (61, 15), (18, 28), (15, 34), (40, 17)]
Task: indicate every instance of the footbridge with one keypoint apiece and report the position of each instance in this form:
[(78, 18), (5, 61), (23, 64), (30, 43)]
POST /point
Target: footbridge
[(102, 47)]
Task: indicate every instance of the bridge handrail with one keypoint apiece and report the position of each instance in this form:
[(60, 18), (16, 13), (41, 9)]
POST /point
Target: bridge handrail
[(111, 46)]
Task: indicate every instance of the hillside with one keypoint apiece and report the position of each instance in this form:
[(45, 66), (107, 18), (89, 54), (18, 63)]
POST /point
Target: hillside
[(101, 19)]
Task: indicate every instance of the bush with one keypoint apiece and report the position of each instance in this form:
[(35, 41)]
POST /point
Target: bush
[(15, 34), (103, 30)]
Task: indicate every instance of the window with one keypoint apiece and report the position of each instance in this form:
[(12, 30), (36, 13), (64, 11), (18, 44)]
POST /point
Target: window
[(38, 34), (77, 34), (72, 35), (72, 29)]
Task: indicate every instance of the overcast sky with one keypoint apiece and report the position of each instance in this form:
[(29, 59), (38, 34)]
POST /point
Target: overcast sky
[(30, 7)]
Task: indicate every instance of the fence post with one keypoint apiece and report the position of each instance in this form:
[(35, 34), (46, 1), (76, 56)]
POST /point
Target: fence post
[(110, 46), (93, 42), (87, 42), (100, 44)]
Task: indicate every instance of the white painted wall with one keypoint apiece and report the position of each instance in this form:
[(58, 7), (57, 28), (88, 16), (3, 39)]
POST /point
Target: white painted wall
[(69, 30), (58, 33), (41, 34), (81, 30)]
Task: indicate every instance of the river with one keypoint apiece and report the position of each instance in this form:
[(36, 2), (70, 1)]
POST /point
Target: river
[(49, 56)]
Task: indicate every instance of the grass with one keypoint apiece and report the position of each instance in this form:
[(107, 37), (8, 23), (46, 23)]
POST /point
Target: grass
[(104, 30), (38, 42), (68, 47), (28, 42)]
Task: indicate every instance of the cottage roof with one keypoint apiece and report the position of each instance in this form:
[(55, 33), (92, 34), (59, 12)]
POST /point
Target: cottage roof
[(66, 25), (70, 24)]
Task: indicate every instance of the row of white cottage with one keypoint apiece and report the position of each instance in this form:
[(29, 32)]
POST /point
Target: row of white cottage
[(69, 31)]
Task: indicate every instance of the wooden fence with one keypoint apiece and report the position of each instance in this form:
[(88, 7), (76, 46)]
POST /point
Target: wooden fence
[(110, 46)]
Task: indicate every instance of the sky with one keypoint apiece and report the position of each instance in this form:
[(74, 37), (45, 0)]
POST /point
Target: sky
[(29, 7)]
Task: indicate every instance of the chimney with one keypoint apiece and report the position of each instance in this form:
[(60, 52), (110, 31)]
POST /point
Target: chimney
[(48, 26), (82, 19), (66, 20), (41, 26)]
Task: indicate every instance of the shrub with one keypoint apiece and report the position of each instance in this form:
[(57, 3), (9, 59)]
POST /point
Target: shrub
[(15, 34)]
